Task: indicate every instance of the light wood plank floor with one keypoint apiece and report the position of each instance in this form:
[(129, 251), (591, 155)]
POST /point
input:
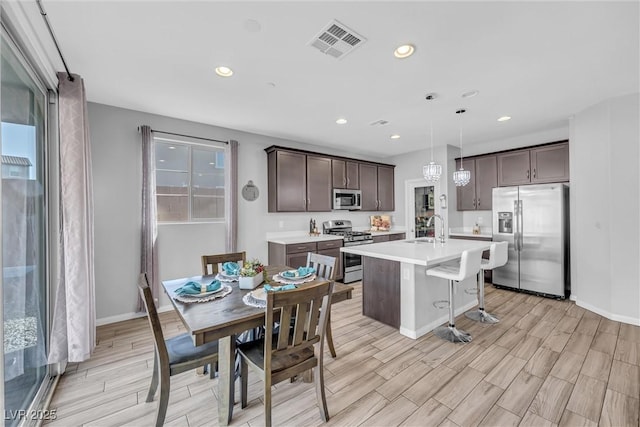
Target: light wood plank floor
[(546, 363)]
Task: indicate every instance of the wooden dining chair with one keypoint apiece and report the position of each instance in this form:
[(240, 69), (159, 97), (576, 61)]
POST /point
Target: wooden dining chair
[(280, 356), (325, 268), (214, 261), (172, 356)]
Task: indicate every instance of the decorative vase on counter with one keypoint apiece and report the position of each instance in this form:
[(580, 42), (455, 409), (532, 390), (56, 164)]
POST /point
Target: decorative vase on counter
[(250, 282)]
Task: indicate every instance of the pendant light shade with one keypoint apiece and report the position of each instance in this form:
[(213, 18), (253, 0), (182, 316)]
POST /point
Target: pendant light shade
[(461, 177), (433, 170)]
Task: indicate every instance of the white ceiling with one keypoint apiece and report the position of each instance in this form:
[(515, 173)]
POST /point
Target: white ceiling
[(539, 62)]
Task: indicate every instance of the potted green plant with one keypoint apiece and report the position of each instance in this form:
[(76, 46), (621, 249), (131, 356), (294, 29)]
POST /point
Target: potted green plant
[(252, 274)]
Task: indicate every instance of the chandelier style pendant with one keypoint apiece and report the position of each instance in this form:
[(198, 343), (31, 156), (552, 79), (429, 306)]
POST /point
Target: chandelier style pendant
[(461, 177), (433, 170)]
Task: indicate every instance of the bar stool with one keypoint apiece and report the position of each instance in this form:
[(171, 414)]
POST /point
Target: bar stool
[(498, 254), (468, 266)]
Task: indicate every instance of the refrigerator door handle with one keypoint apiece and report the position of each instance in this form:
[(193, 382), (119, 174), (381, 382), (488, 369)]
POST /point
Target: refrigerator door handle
[(516, 233), (520, 225)]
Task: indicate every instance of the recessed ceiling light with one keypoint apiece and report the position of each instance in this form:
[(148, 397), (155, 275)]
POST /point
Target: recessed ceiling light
[(223, 71), (504, 118), (211, 163), (404, 51), (341, 121), (161, 161), (470, 94), (172, 148), (395, 136)]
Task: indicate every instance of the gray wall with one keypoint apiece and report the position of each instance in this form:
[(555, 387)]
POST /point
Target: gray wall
[(117, 178), (605, 208)]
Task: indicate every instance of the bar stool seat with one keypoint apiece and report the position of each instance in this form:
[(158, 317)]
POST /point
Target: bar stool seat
[(498, 255), (469, 266)]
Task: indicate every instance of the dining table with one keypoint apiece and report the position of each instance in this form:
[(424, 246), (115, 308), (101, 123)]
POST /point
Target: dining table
[(223, 319)]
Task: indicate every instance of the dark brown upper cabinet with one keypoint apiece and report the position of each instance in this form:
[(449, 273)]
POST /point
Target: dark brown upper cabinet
[(377, 186), (345, 174), (477, 194), (298, 182), (303, 181), (537, 165)]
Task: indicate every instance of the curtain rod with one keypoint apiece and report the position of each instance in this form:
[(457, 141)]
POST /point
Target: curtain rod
[(55, 41), (187, 136)]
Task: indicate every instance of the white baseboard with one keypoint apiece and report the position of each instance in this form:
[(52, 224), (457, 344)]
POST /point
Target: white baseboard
[(610, 316), (128, 316), (432, 325)]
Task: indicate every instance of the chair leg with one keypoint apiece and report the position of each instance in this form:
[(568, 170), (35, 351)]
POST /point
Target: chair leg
[(244, 382), (267, 401), (481, 315), (320, 393), (450, 332), (163, 401), (154, 378), (329, 336)]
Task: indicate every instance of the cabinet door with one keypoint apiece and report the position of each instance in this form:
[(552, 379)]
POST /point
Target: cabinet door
[(297, 260), (514, 168), (318, 184), (550, 163), (378, 239), (467, 193), (386, 201), (339, 173), (369, 186), (291, 182), (338, 256), (352, 173), (486, 179)]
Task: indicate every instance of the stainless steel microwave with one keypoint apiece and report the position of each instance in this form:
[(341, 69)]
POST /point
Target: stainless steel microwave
[(347, 199)]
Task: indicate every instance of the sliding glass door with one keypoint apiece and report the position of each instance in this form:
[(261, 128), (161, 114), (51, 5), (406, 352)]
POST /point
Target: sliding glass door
[(24, 267)]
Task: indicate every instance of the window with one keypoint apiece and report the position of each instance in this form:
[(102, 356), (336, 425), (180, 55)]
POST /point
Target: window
[(190, 181)]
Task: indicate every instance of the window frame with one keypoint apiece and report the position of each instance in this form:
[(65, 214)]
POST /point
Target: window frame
[(190, 144)]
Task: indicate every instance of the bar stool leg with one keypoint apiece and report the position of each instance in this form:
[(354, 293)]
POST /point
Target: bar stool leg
[(450, 332), (480, 315)]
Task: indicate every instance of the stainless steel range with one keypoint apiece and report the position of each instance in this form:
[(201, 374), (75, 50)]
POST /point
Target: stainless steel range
[(352, 263)]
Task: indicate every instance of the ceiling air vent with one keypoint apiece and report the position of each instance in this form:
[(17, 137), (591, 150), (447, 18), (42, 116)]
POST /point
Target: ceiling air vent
[(380, 122), (336, 40)]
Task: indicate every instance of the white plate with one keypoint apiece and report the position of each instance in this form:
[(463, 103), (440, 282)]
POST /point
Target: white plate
[(203, 294), (224, 278), (294, 277)]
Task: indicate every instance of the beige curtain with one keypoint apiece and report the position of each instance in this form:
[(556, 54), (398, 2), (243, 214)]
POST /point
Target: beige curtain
[(231, 207), (149, 248), (73, 335)]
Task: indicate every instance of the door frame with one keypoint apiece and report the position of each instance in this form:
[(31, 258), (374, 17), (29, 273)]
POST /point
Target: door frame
[(410, 186)]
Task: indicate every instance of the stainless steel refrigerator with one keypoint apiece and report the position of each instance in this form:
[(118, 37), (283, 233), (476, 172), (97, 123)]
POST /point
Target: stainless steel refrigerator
[(534, 219)]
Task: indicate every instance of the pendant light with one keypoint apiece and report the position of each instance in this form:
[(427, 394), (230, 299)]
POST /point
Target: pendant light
[(461, 177), (433, 170)]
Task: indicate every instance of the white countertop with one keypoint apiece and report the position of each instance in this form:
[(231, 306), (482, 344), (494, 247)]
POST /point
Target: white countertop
[(485, 232), (303, 238), (418, 251)]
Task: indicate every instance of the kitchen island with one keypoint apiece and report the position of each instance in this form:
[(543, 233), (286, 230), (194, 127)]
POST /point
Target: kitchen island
[(396, 290)]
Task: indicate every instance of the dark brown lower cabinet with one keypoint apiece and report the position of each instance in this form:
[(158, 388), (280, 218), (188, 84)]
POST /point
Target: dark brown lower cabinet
[(381, 290), (294, 255)]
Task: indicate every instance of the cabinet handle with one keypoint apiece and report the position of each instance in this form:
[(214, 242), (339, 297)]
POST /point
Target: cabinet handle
[(527, 174), (478, 202), (344, 181), (473, 202), (534, 172), (348, 181)]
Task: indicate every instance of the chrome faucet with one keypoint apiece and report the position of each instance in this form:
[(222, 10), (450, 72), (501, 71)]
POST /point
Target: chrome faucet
[(430, 220)]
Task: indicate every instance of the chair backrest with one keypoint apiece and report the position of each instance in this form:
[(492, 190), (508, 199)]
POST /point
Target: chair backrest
[(498, 255), (309, 307), (154, 320), (214, 261), (325, 265), (469, 263)]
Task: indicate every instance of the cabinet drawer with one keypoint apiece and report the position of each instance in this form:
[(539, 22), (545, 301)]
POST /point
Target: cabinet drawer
[(301, 247), (397, 236), (378, 239), (329, 244)]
